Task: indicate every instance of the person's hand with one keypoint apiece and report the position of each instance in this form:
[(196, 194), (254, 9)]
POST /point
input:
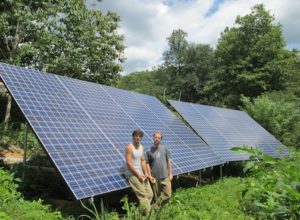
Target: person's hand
[(152, 179), (170, 177), (141, 177)]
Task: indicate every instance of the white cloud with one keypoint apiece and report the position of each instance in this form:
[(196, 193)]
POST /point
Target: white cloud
[(146, 24)]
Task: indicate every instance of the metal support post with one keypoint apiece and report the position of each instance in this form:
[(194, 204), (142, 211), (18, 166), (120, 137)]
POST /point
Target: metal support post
[(221, 171), (200, 178), (25, 149)]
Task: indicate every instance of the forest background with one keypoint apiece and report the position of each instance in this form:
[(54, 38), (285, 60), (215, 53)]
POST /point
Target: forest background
[(249, 69)]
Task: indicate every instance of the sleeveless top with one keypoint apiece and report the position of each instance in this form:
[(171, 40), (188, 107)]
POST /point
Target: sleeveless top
[(136, 160)]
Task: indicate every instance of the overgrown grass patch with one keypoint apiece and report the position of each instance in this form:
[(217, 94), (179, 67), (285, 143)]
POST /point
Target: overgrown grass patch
[(13, 206), (221, 200), (272, 190)]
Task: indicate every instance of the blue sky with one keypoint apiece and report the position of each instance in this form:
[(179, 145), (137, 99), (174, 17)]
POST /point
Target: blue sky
[(146, 24), (214, 8)]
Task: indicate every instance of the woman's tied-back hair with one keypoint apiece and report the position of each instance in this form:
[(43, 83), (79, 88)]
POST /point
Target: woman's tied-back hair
[(160, 133), (138, 132)]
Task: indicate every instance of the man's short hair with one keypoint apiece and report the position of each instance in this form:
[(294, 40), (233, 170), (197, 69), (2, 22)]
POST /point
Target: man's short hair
[(160, 133), (138, 132)]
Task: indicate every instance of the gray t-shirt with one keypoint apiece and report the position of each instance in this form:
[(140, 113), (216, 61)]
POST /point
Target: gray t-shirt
[(158, 161)]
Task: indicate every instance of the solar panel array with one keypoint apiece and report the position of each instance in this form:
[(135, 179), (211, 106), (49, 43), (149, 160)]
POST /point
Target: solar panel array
[(224, 128), (84, 127)]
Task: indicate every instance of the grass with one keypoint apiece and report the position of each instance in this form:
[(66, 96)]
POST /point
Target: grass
[(218, 201)]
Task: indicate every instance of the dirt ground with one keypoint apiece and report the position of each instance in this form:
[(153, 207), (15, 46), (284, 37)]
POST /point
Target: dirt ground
[(11, 157)]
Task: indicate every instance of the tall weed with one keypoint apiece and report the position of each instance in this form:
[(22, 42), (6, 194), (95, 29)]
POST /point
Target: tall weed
[(272, 190), (13, 206), (102, 214)]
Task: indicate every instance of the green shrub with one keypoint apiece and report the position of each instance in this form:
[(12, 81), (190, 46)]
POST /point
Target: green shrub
[(218, 201), (13, 206), (279, 113), (15, 136), (94, 213), (8, 188), (273, 189)]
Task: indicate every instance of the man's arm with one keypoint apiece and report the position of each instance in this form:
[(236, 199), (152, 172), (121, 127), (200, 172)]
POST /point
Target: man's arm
[(170, 174), (169, 161), (148, 168), (144, 167)]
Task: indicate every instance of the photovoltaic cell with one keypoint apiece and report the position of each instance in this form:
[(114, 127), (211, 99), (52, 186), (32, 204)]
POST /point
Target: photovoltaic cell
[(84, 127), (205, 153), (224, 128)]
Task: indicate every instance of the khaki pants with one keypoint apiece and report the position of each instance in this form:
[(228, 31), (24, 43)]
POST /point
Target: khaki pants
[(142, 191), (162, 190)]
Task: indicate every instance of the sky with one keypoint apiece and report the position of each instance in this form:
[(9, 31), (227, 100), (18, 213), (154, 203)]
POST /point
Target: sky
[(146, 24)]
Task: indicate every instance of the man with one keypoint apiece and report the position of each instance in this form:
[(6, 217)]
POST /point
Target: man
[(159, 168), (136, 171)]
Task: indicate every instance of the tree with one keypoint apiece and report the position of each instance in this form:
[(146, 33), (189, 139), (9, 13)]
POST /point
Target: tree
[(279, 113), (196, 70), (187, 67), (173, 61), (294, 80), (145, 82), (177, 44), (250, 59), (62, 37)]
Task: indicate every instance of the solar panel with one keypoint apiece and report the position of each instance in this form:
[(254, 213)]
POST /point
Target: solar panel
[(84, 127), (224, 128)]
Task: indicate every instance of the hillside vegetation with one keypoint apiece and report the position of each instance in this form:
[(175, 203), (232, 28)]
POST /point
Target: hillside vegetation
[(249, 69), (14, 206), (271, 190)]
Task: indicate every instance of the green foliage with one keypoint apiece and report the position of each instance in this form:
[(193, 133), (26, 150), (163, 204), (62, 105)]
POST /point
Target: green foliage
[(186, 81), (146, 82), (177, 43), (273, 189), (8, 188), (4, 216), (294, 81), (186, 69), (40, 182), (95, 214), (14, 136), (279, 113), (250, 59), (132, 211), (13, 206), (218, 201), (63, 37)]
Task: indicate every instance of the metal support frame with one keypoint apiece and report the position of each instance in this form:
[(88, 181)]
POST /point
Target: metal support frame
[(200, 178), (25, 149), (221, 171)]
